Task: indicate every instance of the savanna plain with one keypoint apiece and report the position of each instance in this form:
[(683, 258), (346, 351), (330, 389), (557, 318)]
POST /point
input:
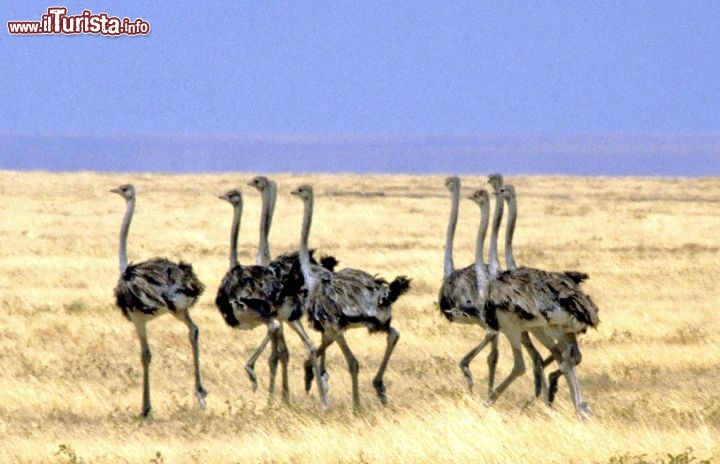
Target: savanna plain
[(70, 388)]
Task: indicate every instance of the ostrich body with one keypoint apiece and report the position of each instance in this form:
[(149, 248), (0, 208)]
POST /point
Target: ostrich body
[(244, 291), (151, 288), (337, 301), (552, 309)]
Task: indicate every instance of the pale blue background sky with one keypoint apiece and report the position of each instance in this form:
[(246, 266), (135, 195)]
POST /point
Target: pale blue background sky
[(366, 69)]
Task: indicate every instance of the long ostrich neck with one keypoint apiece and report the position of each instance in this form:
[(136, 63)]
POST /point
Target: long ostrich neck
[(234, 230), (449, 266), (124, 228), (481, 272), (262, 258), (272, 198), (304, 236), (509, 231), (493, 261)]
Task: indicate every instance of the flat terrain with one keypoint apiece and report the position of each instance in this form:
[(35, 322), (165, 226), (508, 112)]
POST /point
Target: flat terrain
[(71, 379)]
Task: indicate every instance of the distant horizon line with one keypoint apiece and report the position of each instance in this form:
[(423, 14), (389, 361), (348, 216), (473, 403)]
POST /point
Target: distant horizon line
[(597, 154), (272, 135), (359, 174)]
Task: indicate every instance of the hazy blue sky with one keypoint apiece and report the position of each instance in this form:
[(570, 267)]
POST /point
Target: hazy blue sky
[(368, 69)]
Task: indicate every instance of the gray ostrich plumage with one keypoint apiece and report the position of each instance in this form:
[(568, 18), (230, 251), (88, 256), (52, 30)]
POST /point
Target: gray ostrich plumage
[(457, 298), (507, 191), (268, 293), (151, 288), (550, 307), (337, 301), (247, 294)]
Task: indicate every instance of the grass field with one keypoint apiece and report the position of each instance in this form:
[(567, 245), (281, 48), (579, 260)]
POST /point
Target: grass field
[(71, 379)]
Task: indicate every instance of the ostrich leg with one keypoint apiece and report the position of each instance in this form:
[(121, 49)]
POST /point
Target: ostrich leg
[(146, 357)]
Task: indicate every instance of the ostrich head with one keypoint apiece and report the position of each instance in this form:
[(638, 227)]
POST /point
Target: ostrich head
[(305, 191), (234, 197), (452, 183), (259, 182), (496, 181), (480, 197), (127, 191), (507, 191)]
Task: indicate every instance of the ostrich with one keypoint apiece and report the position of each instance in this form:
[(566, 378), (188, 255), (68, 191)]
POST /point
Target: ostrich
[(247, 293), (507, 191), (279, 352), (552, 309), (457, 293), (151, 288), (338, 301)]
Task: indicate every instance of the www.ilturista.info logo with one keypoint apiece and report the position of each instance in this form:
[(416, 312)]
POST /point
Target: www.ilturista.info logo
[(57, 21)]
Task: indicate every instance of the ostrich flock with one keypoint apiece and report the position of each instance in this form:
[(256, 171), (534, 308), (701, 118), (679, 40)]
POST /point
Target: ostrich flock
[(519, 302)]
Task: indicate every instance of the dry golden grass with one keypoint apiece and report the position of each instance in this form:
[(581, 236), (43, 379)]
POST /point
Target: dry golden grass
[(70, 386)]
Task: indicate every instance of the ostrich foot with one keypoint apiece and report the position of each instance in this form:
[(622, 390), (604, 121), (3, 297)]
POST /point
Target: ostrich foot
[(468, 377), (380, 390), (249, 368), (201, 393), (583, 411), (309, 374), (490, 400)]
